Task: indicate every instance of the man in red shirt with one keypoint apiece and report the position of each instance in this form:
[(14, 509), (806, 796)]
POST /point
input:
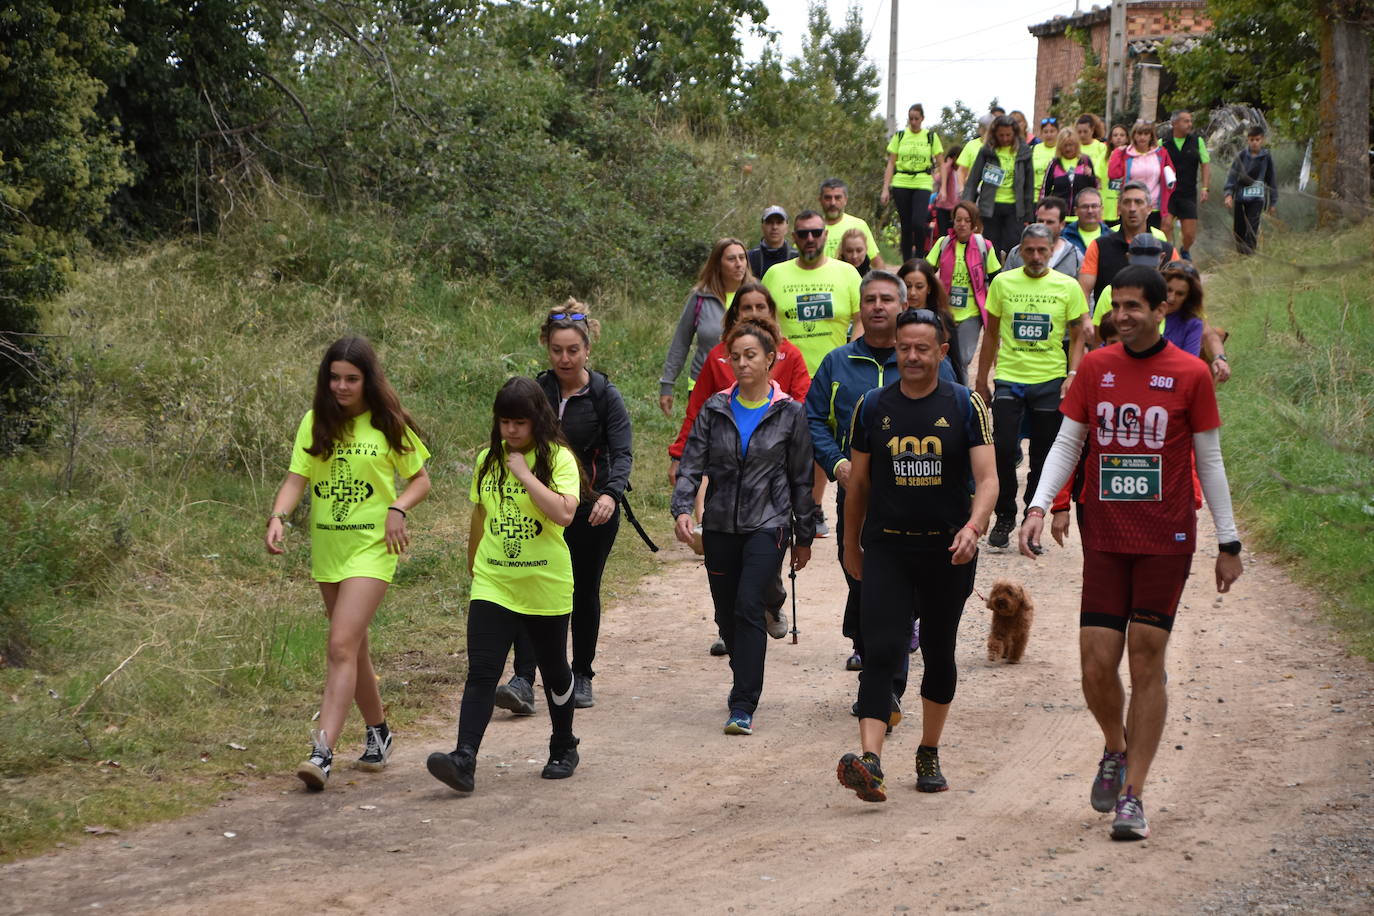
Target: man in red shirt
[(1146, 409)]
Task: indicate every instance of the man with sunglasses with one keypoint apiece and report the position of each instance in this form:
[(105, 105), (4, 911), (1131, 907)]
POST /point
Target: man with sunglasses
[(911, 529), (1029, 310), (818, 300)]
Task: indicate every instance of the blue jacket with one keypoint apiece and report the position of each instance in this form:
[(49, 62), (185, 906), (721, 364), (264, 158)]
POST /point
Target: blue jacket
[(843, 376)]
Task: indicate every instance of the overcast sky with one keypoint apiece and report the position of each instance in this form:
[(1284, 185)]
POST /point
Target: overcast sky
[(973, 50)]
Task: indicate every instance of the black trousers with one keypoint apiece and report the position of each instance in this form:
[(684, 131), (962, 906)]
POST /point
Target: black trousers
[(852, 625), (589, 545), (1245, 220), (902, 584), (491, 631), (1003, 229), (741, 569), (944, 221), (913, 211), (1010, 405)]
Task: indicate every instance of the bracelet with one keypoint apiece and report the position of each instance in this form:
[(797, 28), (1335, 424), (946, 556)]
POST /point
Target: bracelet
[(397, 509), (281, 515), (1073, 372), (1220, 356), (974, 528), (1035, 510)]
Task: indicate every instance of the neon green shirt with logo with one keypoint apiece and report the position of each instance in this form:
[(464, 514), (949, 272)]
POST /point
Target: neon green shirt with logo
[(1034, 313), (1099, 153), (1006, 163), (350, 491), (522, 561), (835, 234), (1042, 154), (961, 301), (916, 152), (970, 153), (815, 307)]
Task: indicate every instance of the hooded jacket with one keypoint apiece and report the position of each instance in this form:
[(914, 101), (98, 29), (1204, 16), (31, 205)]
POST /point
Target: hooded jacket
[(769, 487), (597, 426), (1023, 182), (1250, 170)]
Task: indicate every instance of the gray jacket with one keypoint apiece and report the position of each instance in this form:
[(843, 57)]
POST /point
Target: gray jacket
[(702, 317), (1067, 259), (770, 487), (1023, 182)]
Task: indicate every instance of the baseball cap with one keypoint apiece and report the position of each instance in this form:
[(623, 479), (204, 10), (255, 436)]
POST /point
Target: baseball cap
[(773, 211), (1145, 250)]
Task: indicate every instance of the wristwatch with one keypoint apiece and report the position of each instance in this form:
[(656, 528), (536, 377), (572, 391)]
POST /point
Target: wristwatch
[(1231, 547)]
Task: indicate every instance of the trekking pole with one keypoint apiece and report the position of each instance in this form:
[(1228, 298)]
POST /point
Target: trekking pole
[(792, 574)]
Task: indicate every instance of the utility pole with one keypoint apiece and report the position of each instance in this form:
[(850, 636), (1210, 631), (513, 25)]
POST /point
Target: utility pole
[(1116, 60), (892, 73)]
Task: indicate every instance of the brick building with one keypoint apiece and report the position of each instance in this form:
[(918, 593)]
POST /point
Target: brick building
[(1148, 23)]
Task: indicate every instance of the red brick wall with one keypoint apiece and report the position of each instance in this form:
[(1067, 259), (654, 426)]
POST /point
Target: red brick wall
[(1058, 59)]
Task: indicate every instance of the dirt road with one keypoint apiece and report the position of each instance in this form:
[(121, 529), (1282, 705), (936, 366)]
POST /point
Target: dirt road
[(1260, 796)]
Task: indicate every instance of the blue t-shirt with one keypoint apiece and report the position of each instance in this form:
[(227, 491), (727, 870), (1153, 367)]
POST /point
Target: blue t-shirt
[(747, 419)]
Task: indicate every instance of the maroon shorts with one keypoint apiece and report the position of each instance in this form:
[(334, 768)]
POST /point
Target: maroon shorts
[(1120, 588)]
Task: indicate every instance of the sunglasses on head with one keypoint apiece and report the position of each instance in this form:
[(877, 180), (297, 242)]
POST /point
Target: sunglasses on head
[(1183, 267), (1045, 121), (809, 233), (567, 316)]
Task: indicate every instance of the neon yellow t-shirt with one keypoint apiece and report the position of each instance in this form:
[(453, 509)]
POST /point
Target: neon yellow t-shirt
[(522, 561), (815, 307), (1034, 313), (1104, 308), (350, 492), (961, 300), (1111, 194), (1006, 161), (916, 151), (1090, 235), (970, 153), (1041, 156), (836, 233), (1098, 152), (1204, 157)]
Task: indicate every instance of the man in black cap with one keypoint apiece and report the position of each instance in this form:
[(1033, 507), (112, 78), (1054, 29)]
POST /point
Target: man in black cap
[(773, 248)]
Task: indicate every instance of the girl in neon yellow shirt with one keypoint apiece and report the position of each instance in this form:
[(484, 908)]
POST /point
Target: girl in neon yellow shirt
[(350, 448)]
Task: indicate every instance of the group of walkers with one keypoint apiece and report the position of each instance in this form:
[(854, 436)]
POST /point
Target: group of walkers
[(910, 390)]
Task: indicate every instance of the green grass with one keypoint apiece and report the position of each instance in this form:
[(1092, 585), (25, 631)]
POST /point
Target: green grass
[(136, 535), (1299, 411)]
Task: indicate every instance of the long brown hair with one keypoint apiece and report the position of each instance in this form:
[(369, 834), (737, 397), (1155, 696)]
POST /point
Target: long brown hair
[(732, 313), (711, 279), (330, 421), (521, 398), (937, 300)]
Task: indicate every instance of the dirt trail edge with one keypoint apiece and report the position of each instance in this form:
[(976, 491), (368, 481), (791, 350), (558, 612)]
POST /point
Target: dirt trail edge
[(1268, 756)]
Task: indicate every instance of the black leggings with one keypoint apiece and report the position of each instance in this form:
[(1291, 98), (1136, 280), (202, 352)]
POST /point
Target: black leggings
[(589, 545), (491, 631), (913, 211), (852, 625), (901, 584), (1009, 409), (1003, 229), (741, 569), (1245, 224)]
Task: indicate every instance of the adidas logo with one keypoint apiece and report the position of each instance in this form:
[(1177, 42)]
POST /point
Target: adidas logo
[(942, 423)]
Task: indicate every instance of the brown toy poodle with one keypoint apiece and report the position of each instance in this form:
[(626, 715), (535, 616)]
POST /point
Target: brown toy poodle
[(1012, 613)]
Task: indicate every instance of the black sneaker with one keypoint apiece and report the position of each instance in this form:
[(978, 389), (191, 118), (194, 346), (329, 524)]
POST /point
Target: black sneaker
[(582, 692), (517, 696), (862, 774), (1000, 535), (563, 759), (457, 769), (718, 648), (928, 775), (314, 772), (378, 749), (855, 662), (822, 529)]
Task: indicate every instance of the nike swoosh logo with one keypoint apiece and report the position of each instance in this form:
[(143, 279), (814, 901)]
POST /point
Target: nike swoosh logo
[(567, 695)]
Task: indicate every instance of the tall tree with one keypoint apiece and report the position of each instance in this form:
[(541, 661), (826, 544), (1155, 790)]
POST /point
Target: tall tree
[(834, 62), (1342, 149)]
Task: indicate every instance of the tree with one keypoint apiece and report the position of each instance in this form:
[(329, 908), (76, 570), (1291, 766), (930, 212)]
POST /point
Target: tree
[(1089, 91), (833, 62), (1342, 149), (958, 124)]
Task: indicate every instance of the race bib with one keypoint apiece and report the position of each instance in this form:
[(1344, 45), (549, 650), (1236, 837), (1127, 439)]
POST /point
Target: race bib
[(1030, 326), (1114, 184), (958, 297), (815, 307), (1130, 478), (1252, 192), (993, 175)]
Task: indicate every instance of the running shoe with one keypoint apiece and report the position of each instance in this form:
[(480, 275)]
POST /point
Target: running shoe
[(1111, 770), (928, 775), (1000, 535), (457, 769), (517, 696), (822, 529), (1130, 823), (862, 774), (718, 647), (563, 759), (582, 692), (775, 619), (894, 717), (915, 636), (378, 749), (855, 662), (314, 772), (739, 723)]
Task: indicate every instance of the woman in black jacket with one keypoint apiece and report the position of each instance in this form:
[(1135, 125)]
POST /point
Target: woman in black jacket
[(597, 426), (753, 442)]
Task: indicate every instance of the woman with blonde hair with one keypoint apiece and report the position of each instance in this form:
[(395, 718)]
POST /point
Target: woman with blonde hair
[(1068, 172), (726, 270)]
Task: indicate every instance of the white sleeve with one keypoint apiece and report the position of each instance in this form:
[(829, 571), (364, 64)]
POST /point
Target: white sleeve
[(1211, 471), (1060, 462)]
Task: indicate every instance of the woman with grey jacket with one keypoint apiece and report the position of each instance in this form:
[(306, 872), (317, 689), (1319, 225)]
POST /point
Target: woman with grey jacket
[(753, 442), (725, 270), (1002, 183)]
